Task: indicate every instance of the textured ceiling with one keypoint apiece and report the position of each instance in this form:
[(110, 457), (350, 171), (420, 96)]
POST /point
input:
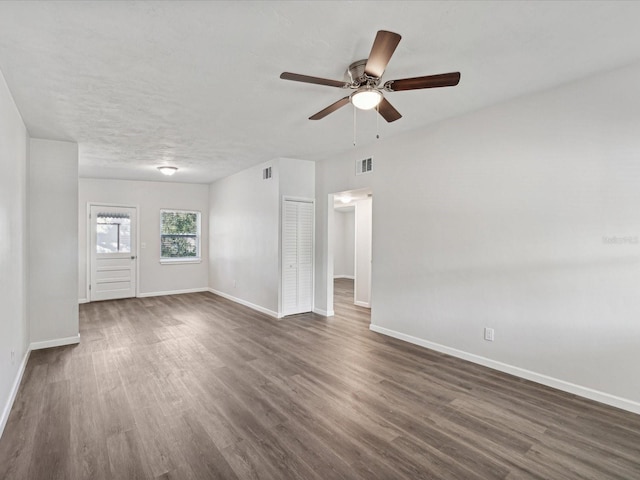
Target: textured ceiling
[(195, 84)]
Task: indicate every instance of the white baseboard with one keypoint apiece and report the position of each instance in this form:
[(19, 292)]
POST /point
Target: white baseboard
[(602, 397), (83, 300), (173, 292), (245, 303), (56, 342), (324, 313), (348, 277), (362, 304), (14, 391)]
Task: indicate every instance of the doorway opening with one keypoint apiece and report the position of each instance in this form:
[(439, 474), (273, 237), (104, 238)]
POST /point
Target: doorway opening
[(350, 241)]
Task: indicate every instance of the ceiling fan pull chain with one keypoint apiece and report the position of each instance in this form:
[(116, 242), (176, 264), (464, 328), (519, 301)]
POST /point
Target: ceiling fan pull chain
[(354, 126), (378, 121)]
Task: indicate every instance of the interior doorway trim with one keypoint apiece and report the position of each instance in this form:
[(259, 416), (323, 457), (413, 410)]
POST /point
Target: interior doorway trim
[(89, 246), (356, 194), (328, 260)]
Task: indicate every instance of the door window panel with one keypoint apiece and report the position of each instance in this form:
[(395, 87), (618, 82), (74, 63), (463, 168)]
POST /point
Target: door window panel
[(113, 233)]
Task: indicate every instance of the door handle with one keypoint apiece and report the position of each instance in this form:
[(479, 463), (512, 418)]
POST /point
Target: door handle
[(133, 257)]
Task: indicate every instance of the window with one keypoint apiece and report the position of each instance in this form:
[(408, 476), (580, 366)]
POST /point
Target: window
[(113, 233), (179, 236)]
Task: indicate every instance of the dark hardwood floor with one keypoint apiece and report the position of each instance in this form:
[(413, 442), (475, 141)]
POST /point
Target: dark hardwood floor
[(197, 387)]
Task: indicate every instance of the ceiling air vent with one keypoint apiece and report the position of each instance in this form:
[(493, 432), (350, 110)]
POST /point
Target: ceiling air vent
[(364, 166), (266, 173)]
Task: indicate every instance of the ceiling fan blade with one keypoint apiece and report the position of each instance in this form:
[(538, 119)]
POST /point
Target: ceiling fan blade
[(316, 80), (383, 47), (330, 109), (388, 112), (430, 81)]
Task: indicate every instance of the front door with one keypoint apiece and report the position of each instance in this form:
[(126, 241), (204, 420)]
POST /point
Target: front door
[(113, 252)]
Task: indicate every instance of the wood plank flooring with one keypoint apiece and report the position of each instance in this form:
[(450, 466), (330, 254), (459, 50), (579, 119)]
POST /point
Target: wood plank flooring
[(196, 387)]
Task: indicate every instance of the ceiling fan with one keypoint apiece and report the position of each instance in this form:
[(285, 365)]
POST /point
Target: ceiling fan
[(364, 80)]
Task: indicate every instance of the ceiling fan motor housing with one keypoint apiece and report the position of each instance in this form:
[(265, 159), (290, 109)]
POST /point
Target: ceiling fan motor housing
[(357, 75)]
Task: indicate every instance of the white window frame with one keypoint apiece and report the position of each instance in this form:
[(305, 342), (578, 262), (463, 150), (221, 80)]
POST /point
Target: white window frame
[(175, 260)]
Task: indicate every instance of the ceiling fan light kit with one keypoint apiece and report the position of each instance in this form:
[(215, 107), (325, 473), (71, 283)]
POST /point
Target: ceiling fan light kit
[(366, 98), (365, 79)]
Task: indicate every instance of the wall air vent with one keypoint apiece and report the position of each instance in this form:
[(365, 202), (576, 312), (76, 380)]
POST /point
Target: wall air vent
[(266, 173), (364, 166)]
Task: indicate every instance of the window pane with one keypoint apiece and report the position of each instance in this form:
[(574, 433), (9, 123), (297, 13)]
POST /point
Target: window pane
[(180, 222), (113, 233), (107, 239), (179, 234), (125, 237), (179, 246)]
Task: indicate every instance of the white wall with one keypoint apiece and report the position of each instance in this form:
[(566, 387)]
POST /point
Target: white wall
[(343, 243), (150, 197), (14, 325), (244, 245), (362, 285), (296, 178), (53, 243), (499, 219)]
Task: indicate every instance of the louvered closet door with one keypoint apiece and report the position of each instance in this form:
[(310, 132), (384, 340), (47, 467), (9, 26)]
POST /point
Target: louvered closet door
[(297, 257)]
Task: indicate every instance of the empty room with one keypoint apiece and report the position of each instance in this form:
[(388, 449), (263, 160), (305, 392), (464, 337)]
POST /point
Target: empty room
[(319, 240)]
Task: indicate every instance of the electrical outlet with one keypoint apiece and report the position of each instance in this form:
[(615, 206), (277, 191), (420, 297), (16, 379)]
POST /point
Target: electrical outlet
[(13, 357), (143, 245), (235, 284), (488, 334)]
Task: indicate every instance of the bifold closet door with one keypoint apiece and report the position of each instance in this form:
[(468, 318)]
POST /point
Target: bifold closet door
[(297, 257)]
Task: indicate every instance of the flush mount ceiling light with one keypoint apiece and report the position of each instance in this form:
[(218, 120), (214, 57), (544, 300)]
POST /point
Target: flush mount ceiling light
[(165, 170), (366, 98)]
